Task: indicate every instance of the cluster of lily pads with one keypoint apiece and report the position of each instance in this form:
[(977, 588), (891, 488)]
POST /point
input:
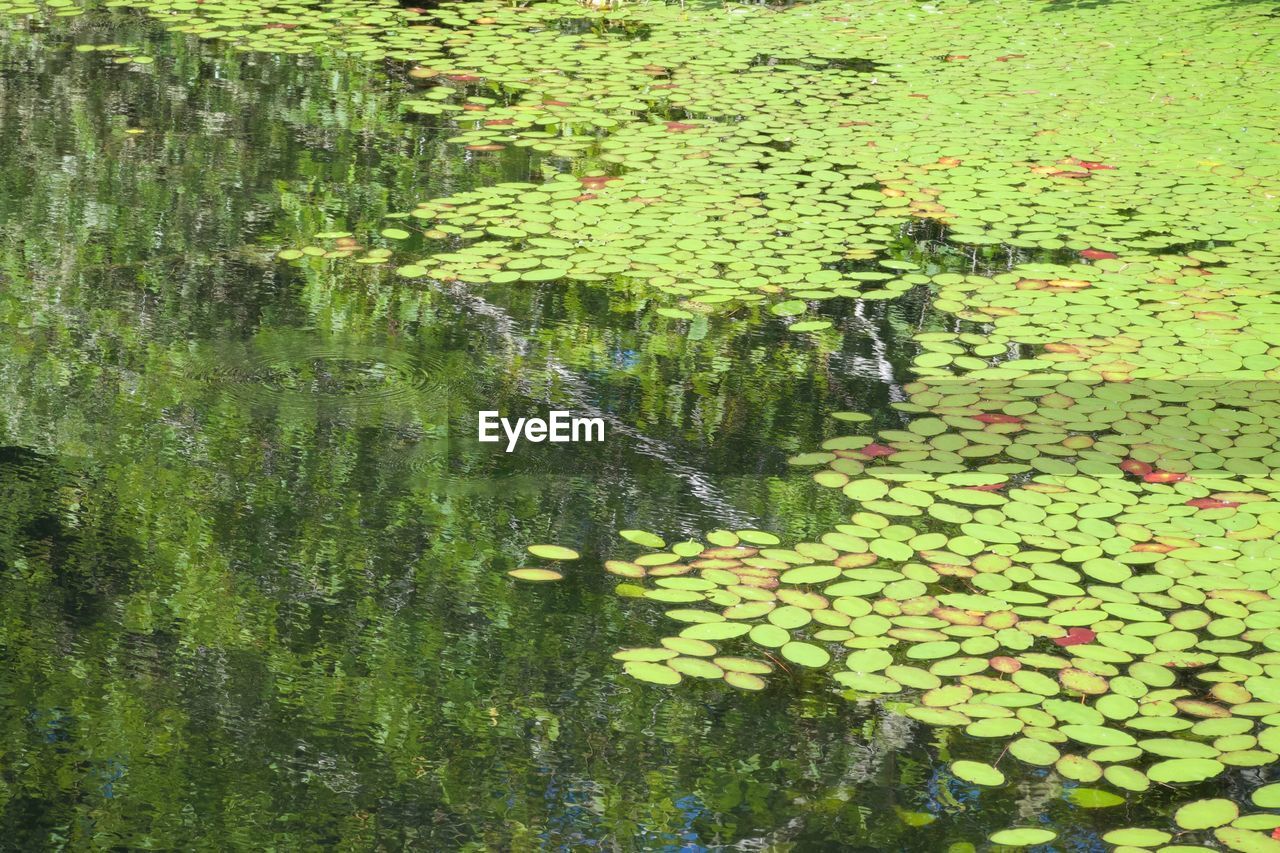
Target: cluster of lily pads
[(1071, 546), (120, 54), (1094, 589), (732, 156), (542, 574), (1076, 552)]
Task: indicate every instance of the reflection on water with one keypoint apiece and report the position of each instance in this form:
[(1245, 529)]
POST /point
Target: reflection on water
[(252, 558)]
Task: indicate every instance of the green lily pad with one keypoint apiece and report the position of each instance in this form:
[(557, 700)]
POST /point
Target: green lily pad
[(643, 538), (696, 667), (1034, 751), (1094, 798), (1022, 837), (744, 680), (789, 308), (1137, 837), (1267, 797), (1128, 778), (977, 773), (533, 574), (715, 631), (1184, 770), (1246, 841), (1206, 814), (654, 673), (806, 654), (747, 665), (553, 552), (810, 326)]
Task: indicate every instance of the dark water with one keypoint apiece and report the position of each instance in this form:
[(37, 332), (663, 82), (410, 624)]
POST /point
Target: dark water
[(252, 559)]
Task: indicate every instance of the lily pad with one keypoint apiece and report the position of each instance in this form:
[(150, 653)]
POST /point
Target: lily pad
[(977, 773), (553, 552), (534, 574), (1022, 837), (1206, 814), (643, 538), (654, 673), (1184, 770)]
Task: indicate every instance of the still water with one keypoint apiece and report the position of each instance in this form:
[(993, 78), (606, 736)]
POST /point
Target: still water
[(253, 588)]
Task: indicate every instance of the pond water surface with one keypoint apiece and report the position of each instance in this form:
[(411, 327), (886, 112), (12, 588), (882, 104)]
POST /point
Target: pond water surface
[(253, 589), (254, 556)]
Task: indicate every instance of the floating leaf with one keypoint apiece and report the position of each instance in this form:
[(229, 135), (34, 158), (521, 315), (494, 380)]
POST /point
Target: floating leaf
[(810, 326), (654, 673), (977, 773), (1184, 770), (810, 575), (1206, 814), (1034, 751), (1127, 778), (1022, 837), (757, 537), (643, 538), (745, 665), (715, 631), (1078, 768), (624, 569), (744, 680), (938, 716), (535, 574), (770, 636), (1094, 798), (696, 667), (1137, 837), (1246, 841), (789, 308), (805, 654), (553, 552), (689, 646)]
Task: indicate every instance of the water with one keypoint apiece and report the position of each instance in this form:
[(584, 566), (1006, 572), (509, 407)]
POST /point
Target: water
[(252, 559)]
